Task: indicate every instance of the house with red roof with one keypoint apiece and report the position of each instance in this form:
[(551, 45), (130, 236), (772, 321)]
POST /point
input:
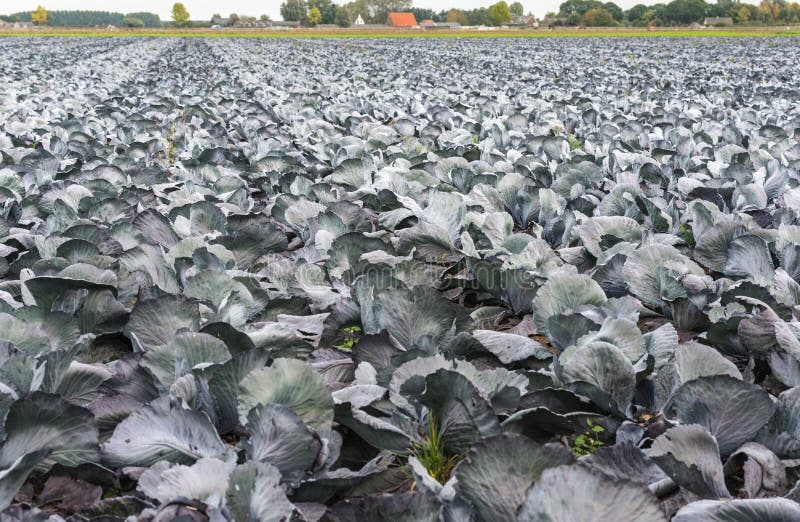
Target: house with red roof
[(402, 20)]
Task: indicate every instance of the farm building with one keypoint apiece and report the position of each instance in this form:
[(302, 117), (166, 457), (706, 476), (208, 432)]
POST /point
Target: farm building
[(218, 20), (359, 21), (252, 24), (523, 21), (402, 20), (712, 21), (281, 23), (431, 25), (15, 25)]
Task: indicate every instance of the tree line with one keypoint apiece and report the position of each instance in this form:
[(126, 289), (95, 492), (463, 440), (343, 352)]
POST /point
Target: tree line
[(676, 12), (570, 13), (84, 18), (312, 12)]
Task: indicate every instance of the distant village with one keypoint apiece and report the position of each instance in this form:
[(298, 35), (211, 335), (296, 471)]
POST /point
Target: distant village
[(401, 15), (399, 20), (402, 20)]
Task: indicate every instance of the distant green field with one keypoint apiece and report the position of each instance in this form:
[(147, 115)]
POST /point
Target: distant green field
[(345, 33)]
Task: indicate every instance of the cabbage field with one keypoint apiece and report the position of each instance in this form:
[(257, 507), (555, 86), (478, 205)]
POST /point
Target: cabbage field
[(409, 280)]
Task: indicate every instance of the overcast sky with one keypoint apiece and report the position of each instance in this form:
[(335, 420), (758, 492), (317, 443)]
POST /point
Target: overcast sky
[(203, 9)]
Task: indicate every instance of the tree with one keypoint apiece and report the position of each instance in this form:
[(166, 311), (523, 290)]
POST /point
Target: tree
[(636, 13), (264, 18), (133, 23), (326, 8), (423, 13), (516, 9), (574, 19), (233, 19), (179, 14), (598, 18), (39, 17), (685, 11), (793, 12), (457, 16), (479, 16), (342, 17), (578, 6), (354, 9), (771, 10), (743, 14), (314, 16), (721, 8), (149, 19), (293, 10), (614, 9), (499, 13)]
